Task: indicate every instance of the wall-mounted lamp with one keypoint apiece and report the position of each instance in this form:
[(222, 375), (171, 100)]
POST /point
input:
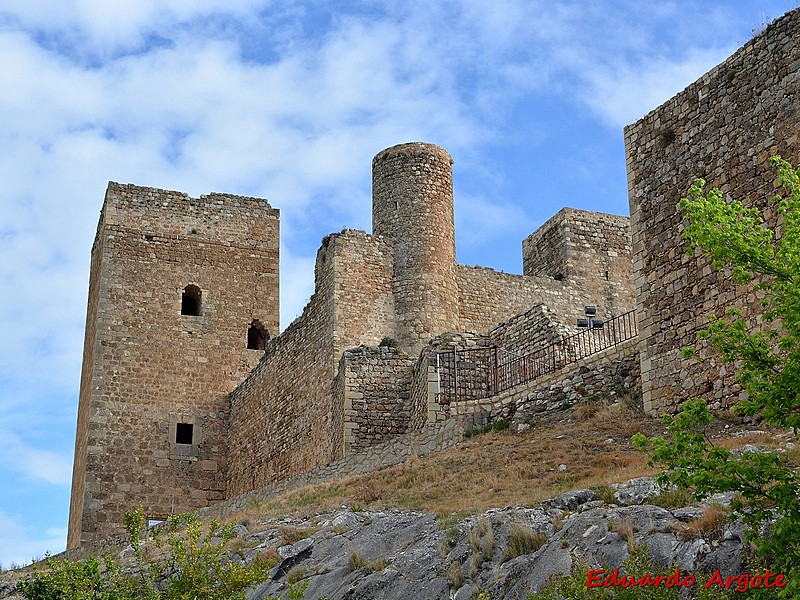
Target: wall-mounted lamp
[(590, 322)]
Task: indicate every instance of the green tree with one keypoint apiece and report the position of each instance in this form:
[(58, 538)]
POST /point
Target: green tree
[(768, 367), (199, 564), (79, 580)]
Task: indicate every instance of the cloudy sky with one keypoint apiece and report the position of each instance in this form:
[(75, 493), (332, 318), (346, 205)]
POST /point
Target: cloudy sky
[(290, 100)]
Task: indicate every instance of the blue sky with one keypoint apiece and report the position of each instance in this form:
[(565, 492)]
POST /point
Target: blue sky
[(290, 101)]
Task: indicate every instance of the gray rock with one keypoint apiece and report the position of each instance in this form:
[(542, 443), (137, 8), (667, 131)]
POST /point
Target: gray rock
[(572, 500), (636, 491), (688, 513)]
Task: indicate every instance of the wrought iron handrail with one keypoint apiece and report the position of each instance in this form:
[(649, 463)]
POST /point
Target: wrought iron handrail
[(477, 373)]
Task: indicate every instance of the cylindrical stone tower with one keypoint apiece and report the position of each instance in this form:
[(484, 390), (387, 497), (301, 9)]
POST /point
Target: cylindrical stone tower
[(412, 207)]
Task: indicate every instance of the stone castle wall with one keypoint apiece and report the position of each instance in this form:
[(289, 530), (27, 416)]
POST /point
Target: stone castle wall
[(148, 367), (723, 128), (261, 416), (610, 375), (283, 418), (364, 303), (529, 331), (79, 467), (588, 250), (374, 386)]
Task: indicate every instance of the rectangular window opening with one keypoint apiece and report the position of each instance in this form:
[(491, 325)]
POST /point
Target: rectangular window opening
[(183, 433)]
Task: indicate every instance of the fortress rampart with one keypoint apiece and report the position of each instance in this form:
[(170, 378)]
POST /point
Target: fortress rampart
[(188, 396), (723, 128)]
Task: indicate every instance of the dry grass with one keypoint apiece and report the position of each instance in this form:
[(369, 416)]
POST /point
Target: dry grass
[(489, 470), (494, 469), (708, 526), (356, 562), (624, 530), (291, 535), (454, 575), (481, 541), (522, 540)]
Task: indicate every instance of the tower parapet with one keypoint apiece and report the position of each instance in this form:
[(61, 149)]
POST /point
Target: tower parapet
[(412, 207)]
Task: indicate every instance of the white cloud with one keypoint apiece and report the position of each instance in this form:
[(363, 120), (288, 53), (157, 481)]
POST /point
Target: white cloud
[(625, 94), (19, 545), (34, 463)]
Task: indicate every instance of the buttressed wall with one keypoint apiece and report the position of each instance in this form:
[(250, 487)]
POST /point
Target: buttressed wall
[(179, 287), (723, 128)]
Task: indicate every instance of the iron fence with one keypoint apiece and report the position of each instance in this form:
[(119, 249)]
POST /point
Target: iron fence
[(477, 373)]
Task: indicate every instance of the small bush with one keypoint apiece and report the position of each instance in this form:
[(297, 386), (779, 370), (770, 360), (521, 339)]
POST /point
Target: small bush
[(500, 425), (449, 541), (80, 579), (605, 493), (624, 530), (270, 556), (367, 492), (295, 575), (522, 540), (586, 410), (355, 562), (672, 498), (291, 535)]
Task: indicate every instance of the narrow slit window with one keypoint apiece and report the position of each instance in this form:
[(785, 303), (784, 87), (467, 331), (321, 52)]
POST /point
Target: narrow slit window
[(257, 336), (184, 433), (191, 301)]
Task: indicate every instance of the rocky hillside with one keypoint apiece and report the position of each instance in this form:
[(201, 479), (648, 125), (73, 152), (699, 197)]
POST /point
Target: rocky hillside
[(508, 552), (425, 529)]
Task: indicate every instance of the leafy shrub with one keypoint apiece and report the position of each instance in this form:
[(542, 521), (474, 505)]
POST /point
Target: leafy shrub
[(80, 580)]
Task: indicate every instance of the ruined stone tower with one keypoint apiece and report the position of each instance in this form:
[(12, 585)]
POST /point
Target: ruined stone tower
[(183, 295), (412, 208)]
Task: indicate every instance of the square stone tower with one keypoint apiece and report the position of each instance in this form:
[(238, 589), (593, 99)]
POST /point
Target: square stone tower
[(183, 295)]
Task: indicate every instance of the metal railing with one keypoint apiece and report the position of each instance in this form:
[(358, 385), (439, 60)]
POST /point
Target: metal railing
[(477, 373)]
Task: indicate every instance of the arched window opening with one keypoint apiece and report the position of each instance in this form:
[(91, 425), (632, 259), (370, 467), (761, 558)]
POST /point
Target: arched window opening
[(257, 336), (191, 301)]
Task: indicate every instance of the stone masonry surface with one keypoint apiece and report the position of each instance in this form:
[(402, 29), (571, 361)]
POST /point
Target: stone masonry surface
[(307, 407), (376, 395), (147, 367), (320, 390), (723, 128)]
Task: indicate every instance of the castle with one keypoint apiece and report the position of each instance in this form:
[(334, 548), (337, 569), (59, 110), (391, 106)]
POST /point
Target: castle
[(189, 397)]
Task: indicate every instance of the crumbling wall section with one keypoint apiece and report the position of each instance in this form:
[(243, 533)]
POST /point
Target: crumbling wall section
[(364, 306), (375, 387), (723, 128)]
